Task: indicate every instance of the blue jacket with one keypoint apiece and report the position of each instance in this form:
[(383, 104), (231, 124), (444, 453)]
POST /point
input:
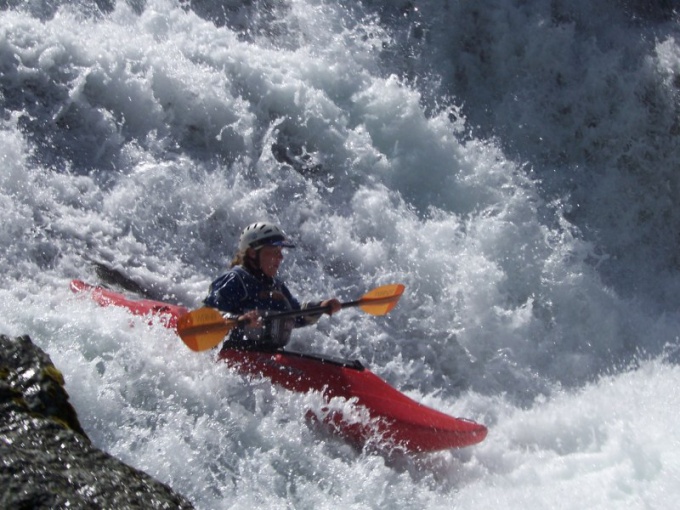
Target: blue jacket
[(238, 291)]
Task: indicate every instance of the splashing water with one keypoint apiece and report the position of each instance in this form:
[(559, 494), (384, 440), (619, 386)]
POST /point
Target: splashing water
[(512, 163)]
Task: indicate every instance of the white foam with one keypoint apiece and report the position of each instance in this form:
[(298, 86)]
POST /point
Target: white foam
[(147, 141)]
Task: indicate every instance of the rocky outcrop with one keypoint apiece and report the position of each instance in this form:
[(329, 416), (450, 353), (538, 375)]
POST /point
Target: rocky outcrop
[(46, 459)]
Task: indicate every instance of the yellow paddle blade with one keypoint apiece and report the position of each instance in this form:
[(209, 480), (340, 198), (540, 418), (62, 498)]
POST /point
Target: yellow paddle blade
[(381, 300), (203, 329)]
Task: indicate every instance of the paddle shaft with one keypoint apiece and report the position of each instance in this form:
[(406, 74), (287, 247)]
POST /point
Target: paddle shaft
[(315, 310), (204, 328)]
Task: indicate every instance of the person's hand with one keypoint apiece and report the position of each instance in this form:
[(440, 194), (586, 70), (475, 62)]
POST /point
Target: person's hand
[(252, 319), (333, 305)]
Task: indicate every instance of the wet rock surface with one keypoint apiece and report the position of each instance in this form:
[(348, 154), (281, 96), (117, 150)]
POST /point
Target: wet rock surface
[(47, 460)]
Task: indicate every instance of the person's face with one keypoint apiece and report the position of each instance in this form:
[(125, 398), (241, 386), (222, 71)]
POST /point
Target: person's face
[(270, 260)]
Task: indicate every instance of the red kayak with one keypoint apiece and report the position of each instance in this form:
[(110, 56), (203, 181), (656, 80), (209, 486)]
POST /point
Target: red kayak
[(393, 418), (105, 297)]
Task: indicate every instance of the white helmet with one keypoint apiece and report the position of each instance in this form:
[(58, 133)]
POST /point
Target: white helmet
[(262, 234)]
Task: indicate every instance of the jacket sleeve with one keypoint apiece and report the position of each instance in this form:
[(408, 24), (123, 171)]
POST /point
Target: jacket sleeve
[(227, 294), (303, 320), (311, 319)]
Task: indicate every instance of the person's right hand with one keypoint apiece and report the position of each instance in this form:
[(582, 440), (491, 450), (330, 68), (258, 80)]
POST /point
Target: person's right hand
[(252, 318)]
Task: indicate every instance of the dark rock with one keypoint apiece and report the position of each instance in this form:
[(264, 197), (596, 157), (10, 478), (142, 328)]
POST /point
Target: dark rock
[(47, 459)]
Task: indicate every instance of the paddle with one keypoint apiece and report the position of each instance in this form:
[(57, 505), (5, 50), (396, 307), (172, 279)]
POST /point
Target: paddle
[(204, 328)]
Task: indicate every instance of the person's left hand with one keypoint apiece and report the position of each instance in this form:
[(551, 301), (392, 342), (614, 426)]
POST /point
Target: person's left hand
[(333, 306)]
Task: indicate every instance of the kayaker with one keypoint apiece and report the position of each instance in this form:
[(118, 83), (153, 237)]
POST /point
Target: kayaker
[(250, 288)]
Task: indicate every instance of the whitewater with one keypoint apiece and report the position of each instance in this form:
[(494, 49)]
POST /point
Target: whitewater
[(513, 163)]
